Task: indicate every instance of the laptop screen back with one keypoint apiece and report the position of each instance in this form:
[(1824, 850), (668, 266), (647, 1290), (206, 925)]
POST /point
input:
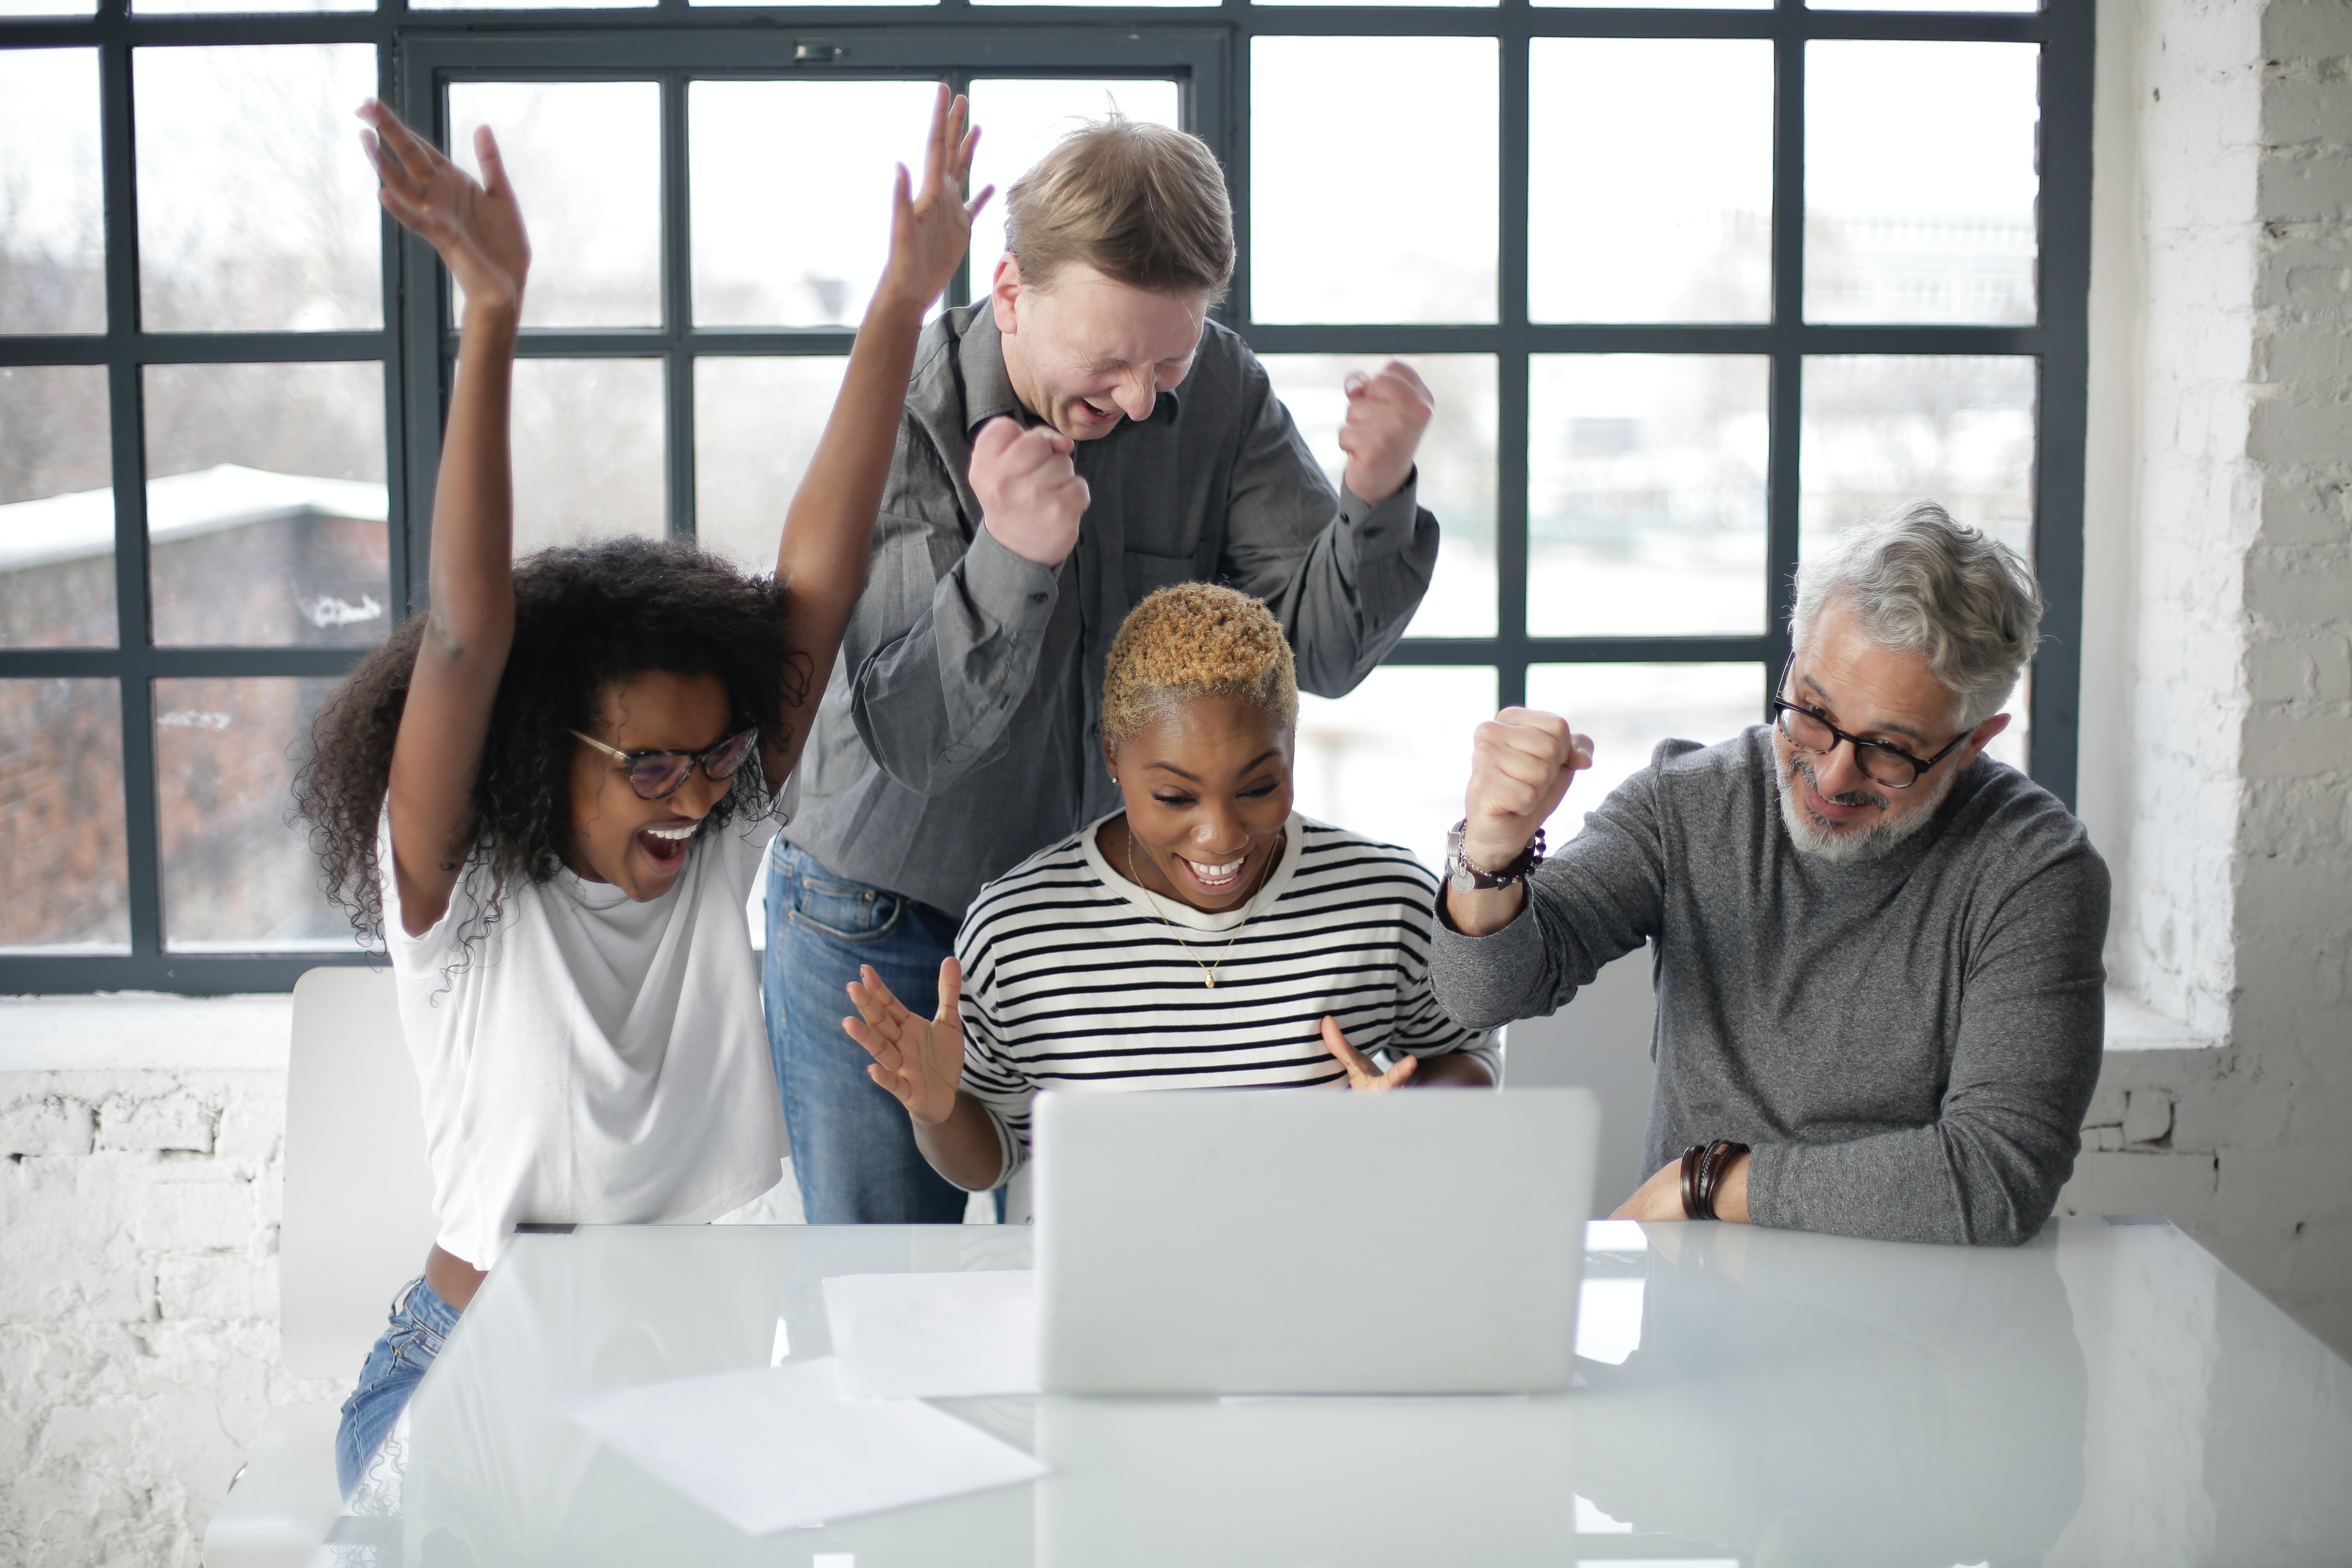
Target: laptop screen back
[(1428, 1241)]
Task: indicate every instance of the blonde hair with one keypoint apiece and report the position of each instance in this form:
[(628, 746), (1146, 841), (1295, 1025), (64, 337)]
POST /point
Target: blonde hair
[(1196, 640), (1141, 203)]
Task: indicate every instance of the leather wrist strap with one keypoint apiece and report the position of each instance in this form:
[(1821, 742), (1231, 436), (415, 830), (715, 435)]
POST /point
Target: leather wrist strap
[(1701, 1175), (1691, 1158)]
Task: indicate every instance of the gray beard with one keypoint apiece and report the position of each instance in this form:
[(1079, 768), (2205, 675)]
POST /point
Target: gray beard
[(1815, 837)]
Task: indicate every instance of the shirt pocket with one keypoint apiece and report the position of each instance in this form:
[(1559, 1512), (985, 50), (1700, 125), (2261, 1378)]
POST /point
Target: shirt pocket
[(1147, 573)]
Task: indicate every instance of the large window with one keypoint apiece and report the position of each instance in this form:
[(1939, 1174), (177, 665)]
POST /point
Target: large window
[(1695, 288)]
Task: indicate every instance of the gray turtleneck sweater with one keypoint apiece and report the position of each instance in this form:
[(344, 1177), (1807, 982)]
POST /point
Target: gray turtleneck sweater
[(1908, 1044)]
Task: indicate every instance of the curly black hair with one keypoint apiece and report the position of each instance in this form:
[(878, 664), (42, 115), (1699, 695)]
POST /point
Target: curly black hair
[(585, 616)]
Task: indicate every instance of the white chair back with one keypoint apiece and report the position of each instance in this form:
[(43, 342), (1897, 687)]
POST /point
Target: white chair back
[(359, 1199)]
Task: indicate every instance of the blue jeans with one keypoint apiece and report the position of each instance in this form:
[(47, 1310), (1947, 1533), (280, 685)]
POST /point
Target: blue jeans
[(420, 1325), (853, 1148)]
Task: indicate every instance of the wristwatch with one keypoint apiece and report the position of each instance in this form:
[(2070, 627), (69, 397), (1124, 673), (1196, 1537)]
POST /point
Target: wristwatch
[(1465, 877)]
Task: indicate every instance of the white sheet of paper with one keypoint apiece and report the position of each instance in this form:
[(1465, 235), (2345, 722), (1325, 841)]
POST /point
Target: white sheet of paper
[(934, 1336), (768, 1450)]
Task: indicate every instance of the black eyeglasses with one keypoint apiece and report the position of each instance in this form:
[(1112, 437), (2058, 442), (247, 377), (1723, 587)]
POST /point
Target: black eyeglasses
[(1889, 765), (654, 774)]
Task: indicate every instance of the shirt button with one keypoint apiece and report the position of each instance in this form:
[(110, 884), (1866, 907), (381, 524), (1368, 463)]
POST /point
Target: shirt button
[(1037, 598)]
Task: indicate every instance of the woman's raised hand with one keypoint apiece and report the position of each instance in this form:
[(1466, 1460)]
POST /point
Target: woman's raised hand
[(475, 224), (921, 1063), (930, 228), (1362, 1073)]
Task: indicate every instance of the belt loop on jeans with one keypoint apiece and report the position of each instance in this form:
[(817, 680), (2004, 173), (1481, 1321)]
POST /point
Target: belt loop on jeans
[(400, 1302)]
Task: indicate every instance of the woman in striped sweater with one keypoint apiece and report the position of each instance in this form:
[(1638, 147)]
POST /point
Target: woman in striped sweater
[(1207, 936)]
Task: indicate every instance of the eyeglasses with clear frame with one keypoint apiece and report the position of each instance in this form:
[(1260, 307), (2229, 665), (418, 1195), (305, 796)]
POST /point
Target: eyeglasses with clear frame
[(1882, 763), (656, 775)]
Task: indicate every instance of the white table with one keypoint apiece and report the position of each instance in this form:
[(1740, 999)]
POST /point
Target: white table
[(2108, 1393)]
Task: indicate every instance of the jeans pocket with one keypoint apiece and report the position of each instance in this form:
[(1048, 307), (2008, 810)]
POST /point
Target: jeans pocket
[(845, 911)]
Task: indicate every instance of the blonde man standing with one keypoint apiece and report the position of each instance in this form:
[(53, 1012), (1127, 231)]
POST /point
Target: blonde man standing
[(1081, 438)]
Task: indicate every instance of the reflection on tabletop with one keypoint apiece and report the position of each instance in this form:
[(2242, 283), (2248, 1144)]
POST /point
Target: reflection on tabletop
[(1746, 1396)]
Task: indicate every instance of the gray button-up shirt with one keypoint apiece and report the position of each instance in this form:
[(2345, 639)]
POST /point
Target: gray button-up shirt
[(959, 734)]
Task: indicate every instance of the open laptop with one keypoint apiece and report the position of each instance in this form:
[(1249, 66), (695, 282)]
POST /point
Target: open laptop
[(1428, 1241)]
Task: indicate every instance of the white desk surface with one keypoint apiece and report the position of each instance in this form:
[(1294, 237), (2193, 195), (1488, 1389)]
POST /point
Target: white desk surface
[(2108, 1393)]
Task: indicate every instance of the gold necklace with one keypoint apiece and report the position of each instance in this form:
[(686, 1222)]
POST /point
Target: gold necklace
[(1208, 972)]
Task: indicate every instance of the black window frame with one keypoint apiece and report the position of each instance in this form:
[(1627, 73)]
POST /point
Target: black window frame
[(1208, 48)]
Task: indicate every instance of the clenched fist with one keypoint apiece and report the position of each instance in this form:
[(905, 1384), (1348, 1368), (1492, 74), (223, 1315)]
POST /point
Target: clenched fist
[(1030, 498), (1386, 415), (1521, 762)]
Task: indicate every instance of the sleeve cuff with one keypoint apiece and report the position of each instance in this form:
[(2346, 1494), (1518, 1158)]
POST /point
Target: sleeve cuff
[(1381, 528), (1471, 974), (1018, 592)]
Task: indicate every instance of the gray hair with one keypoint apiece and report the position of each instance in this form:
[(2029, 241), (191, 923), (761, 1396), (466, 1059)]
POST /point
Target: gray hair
[(1920, 582)]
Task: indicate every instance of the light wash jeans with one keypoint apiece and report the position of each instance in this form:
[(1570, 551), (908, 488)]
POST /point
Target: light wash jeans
[(420, 1325), (853, 1148)]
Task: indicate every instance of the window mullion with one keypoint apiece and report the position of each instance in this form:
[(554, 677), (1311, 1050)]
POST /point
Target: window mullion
[(1787, 393), (1511, 372), (133, 621), (677, 306)]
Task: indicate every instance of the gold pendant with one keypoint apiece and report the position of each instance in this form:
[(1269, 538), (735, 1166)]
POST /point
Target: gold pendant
[(1209, 980)]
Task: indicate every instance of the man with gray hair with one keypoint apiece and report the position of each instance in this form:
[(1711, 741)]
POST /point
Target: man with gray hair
[(1876, 950)]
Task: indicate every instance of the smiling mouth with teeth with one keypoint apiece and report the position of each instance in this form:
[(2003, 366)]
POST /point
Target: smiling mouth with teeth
[(666, 846), (1215, 876)]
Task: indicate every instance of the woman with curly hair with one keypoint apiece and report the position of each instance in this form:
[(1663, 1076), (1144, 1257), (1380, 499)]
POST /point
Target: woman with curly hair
[(549, 793), (1205, 936)]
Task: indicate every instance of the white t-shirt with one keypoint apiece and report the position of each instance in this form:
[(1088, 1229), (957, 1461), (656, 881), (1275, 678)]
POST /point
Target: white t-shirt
[(589, 1060)]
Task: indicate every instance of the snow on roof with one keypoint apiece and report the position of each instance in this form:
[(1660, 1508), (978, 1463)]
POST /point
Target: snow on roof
[(72, 527)]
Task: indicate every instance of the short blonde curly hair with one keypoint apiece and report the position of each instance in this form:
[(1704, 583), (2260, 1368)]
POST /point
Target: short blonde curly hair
[(1196, 640)]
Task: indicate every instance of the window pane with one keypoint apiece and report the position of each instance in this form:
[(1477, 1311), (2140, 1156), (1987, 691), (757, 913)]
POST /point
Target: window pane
[(57, 508), (62, 817), (1883, 430), (47, 9), (1675, 223), (1372, 2), (1628, 709), (756, 424), (164, 7), (256, 210), (587, 451), (1645, 494), (52, 205), (1133, 2), (1020, 120), (266, 503), (1919, 180), (1924, 5), (1391, 760), (1665, 5), (236, 877), (1402, 227), (585, 158), (799, 243), (521, 5), (1457, 470)]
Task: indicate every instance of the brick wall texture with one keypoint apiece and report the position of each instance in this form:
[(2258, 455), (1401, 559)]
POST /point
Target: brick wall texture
[(2232, 910), (139, 1341)]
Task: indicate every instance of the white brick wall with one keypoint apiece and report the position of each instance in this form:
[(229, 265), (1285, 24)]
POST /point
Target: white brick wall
[(2222, 616), (138, 1280)]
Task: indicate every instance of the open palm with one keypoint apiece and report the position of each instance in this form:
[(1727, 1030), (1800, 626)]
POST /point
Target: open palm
[(920, 1061), (475, 224), (931, 226)]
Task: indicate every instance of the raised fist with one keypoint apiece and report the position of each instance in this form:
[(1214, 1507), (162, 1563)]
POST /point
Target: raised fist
[(1386, 415), (1521, 762), (1030, 497)]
